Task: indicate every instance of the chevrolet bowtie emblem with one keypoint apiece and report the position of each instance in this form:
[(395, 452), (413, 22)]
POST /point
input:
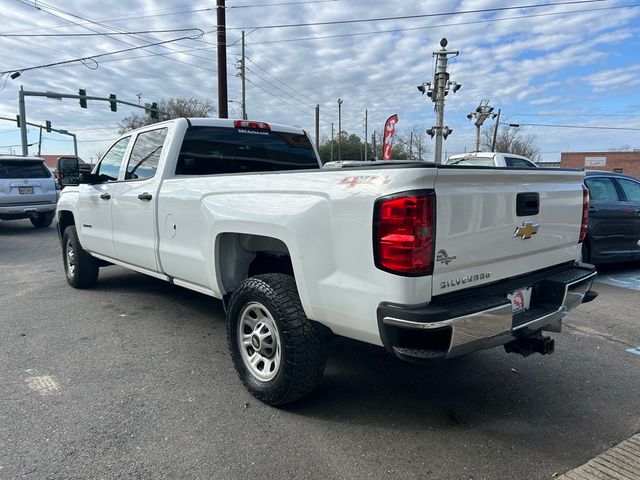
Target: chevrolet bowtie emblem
[(526, 230)]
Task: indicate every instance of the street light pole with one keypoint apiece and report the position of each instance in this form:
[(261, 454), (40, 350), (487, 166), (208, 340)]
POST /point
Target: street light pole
[(339, 129), (23, 122)]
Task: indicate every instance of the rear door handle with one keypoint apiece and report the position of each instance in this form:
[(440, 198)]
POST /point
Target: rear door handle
[(145, 196), (105, 196), (592, 209)]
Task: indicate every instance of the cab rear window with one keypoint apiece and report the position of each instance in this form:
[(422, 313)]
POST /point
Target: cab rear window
[(217, 150), (23, 169)]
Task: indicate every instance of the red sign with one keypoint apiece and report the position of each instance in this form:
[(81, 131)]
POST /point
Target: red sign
[(389, 133)]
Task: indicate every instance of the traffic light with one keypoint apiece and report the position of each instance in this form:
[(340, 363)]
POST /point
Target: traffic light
[(48, 125), (113, 102), (83, 101), (18, 120), (154, 110)]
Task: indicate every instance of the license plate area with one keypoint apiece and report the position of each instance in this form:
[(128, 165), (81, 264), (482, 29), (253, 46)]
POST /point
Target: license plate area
[(25, 190), (520, 300)]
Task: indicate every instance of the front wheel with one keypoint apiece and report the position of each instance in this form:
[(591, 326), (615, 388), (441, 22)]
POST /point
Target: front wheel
[(278, 353), (42, 220), (80, 267)]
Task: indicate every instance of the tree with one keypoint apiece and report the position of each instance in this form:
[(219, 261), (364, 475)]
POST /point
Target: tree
[(176, 107), (353, 148), (511, 140)]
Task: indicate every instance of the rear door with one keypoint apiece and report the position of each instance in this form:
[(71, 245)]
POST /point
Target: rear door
[(631, 191), (611, 219), (496, 223), (134, 202)]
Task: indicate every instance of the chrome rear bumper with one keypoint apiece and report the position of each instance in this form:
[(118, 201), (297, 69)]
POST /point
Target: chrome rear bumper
[(424, 333)]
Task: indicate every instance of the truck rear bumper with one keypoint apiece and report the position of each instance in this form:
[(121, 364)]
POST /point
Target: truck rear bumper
[(481, 318)]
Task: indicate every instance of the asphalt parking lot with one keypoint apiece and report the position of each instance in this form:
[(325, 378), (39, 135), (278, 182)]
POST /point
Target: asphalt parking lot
[(132, 380)]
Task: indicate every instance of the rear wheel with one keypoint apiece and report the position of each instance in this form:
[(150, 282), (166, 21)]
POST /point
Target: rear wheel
[(278, 353), (80, 267), (42, 220)]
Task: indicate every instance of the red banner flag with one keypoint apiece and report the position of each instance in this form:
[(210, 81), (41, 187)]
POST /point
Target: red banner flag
[(389, 133)]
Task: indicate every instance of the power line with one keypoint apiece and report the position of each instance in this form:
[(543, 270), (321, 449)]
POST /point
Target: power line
[(121, 18), (442, 25), (423, 15), (91, 57), (47, 6), (574, 114), (280, 4), (105, 34), (569, 126), (276, 78)]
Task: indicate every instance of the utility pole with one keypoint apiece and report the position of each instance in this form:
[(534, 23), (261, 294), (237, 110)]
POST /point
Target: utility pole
[(242, 75), (318, 127), (23, 122), (366, 134), (437, 91), (495, 133), (375, 151), (339, 129), (332, 141), (223, 111), (483, 111), (40, 142), (411, 147)]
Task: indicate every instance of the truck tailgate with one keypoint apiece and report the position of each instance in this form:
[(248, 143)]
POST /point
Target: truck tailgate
[(487, 227)]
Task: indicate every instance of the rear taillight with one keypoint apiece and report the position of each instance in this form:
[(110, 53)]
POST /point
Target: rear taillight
[(585, 214), (251, 124), (404, 233)]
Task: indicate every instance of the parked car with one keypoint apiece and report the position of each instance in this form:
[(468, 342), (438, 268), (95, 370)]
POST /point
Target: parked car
[(491, 159), (613, 234), (27, 190)]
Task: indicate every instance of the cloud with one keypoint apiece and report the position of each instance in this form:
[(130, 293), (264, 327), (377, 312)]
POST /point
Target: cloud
[(519, 64)]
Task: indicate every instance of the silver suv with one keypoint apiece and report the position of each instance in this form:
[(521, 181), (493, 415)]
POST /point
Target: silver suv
[(27, 190)]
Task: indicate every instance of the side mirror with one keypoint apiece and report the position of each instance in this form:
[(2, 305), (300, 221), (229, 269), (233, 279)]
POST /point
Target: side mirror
[(68, 171)]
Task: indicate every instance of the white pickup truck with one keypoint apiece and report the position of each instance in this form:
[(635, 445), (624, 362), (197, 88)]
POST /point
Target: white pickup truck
[(429, 261)]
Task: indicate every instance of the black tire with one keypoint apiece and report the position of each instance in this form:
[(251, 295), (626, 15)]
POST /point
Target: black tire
[(301, 347), (42, 220), (80, 268)]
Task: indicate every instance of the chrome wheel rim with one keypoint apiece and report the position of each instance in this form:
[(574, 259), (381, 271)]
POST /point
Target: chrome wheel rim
[(71, 260), (259, 342)]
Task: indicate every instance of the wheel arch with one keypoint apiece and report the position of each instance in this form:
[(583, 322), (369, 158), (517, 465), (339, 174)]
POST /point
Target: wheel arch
[(243, 255)]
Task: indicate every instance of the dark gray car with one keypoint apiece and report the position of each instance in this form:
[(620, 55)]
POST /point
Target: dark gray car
[(614, 218), (27, 190)]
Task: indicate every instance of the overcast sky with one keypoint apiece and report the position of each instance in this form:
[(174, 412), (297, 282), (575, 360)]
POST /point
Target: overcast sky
[(575, 64)]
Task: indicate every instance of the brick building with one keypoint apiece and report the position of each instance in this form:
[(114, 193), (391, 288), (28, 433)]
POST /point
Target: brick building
[(621, 162)]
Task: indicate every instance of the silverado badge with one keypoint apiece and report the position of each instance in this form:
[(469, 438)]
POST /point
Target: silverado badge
[(526, 230)]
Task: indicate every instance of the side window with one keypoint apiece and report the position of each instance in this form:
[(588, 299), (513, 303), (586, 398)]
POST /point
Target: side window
[(145, 154), (631, 189), (602, 189), (518, 162), (110, 163), (477, 161)]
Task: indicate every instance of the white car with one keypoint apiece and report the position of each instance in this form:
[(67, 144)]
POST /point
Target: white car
[(429, 261), (491, 159)]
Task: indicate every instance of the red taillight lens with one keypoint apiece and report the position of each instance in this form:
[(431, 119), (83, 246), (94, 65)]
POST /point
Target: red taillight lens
[(404, 234), (251, 124), (585, 214)]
